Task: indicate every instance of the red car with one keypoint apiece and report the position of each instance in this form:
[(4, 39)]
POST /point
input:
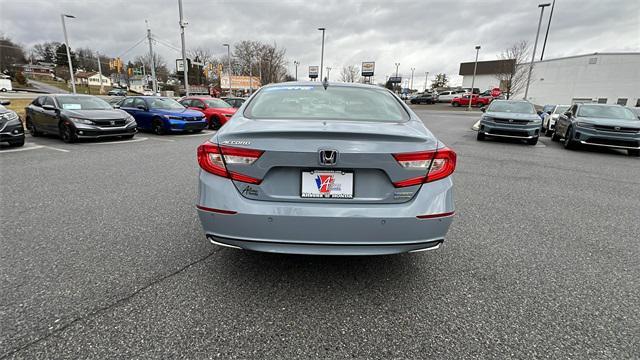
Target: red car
[(476, 100), (217, 111)]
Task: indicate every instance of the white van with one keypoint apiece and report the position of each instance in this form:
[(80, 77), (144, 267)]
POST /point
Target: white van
[(5, 85)]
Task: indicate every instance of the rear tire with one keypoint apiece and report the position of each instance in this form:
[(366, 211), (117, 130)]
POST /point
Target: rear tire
[(67, 134), (214, 123), (480, 136), (16, 143), (533, 141), (633, 152), (32, 128)]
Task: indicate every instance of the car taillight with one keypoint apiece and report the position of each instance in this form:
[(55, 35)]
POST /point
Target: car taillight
[(441, 163), (213, 158)]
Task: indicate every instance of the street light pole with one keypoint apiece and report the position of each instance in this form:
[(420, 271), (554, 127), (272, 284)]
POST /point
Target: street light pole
[(296, 63), (426, 77), (411, 84), (100, 72), (535, 45), (397, 65), (66, 44), (185, 64), (322, 52), (544, 44), (473, 79), (229, 70)]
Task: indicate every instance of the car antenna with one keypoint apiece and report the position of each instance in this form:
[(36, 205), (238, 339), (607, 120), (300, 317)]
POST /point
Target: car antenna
[(325, 83)]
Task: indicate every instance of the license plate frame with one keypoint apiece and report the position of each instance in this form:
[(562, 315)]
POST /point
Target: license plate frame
[(326, 184)]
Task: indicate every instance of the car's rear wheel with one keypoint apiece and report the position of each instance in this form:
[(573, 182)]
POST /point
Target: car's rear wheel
[(480, 136), (32, 128), (157, 127), (67, 134), (568, 141), (633, 152)]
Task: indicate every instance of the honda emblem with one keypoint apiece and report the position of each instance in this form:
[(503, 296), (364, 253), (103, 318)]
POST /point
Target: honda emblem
[(328, 157), (112, 122), (617, 128)]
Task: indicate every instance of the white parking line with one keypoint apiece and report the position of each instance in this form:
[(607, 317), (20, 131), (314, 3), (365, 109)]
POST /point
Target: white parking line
[(117, 142), (53, 148), (157, 138), (22, 149)]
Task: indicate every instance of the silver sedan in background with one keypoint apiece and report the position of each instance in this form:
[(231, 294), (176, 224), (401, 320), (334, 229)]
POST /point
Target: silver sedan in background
[(326, 169)]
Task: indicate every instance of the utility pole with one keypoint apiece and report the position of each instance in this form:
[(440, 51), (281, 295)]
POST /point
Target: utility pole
[(535, 45), (229, 70), (100, 72), (544, 44), (397, 65), (152, 65), (473, 79), (296, 63), (328, 71), (426, 77), (411, 84), (66, 44), (184, 51), (322, 52)]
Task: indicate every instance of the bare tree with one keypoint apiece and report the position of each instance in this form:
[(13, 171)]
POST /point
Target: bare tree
[(512, 73), (350, 73), (46, 51), (259, 59), (202, 55)]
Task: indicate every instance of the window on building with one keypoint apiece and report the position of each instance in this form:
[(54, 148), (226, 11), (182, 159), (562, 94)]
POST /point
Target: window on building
[(602, 100), (622, 101), (593, 60)]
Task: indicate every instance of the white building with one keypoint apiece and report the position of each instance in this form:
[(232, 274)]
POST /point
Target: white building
[(92, 78), (607, 78)]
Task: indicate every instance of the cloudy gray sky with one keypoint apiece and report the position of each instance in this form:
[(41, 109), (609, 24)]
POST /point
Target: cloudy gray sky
[(432, 36)]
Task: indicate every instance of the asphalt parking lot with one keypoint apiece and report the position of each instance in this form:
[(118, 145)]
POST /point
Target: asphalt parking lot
[(103, 257)]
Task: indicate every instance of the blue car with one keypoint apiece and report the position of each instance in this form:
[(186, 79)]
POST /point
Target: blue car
[(163, 115)]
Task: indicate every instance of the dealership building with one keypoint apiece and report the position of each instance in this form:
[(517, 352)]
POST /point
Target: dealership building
[(606, 78)]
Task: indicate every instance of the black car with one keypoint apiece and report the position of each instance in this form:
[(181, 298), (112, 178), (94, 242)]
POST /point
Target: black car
[(612, 126), (424, 98), (117, 92), (74, 117), (11, 129), (235, 102)]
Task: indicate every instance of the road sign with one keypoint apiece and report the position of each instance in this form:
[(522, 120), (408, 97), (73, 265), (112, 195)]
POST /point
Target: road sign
[(313, 71)]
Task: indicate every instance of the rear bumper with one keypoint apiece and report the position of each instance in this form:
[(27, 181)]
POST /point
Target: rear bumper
[(324, 228), (510, 131), (607, 139)]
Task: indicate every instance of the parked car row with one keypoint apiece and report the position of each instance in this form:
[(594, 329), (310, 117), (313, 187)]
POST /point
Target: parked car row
[(610, 126), (73, 117)]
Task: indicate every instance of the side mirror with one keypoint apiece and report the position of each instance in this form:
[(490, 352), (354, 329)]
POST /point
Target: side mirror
[(483, 109), (142, 107), (5, 102), (49, 107), (568, 114)]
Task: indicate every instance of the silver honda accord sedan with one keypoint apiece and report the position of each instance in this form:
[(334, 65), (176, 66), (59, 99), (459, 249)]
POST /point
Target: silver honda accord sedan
[(325, 169)]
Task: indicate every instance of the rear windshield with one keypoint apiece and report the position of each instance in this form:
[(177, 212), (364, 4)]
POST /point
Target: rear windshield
[(82, 103), (334, 103), (519, 107), (607, 112)]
